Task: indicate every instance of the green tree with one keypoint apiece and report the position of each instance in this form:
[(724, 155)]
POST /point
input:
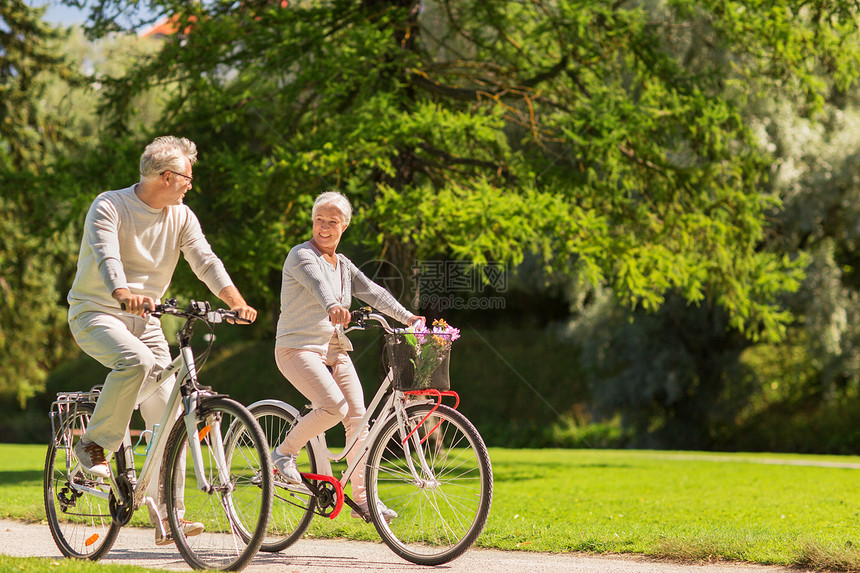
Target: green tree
[(624, 143), (675, 376), (678, 377), (589, 132), (818, 157), (53, 161), (817, 174), (33, 247)]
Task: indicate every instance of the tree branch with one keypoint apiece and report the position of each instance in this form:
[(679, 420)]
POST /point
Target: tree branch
[(452, 160), (422, 80)]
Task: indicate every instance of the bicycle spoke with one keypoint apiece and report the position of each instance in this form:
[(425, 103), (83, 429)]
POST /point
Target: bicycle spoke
[(235, 510), (80, 521), (293, 506), (441, 488)]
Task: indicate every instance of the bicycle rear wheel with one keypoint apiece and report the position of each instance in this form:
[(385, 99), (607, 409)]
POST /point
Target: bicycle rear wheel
[(293, 505), (77, 506), (439, 481), (235, 508)]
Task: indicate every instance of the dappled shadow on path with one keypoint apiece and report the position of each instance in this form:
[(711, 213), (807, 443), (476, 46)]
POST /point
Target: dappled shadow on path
[(155, 558), (331, 562)]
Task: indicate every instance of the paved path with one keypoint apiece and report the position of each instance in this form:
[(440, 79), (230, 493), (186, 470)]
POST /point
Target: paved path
[(135, 546)]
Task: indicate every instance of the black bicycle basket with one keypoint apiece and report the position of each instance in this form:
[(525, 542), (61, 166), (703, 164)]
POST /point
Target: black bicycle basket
[(414, 370)]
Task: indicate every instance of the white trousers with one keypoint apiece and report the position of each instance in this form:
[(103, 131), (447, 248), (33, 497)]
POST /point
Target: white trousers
[(336, 396), (134, 348)]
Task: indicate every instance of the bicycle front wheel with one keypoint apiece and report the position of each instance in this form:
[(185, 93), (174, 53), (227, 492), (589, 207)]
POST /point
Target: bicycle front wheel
[(293, 505), (77, 505), (234, 507), (439, 481)]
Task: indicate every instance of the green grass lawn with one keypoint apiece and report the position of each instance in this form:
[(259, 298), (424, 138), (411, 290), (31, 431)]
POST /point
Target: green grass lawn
[(40, 565), (683, 505)]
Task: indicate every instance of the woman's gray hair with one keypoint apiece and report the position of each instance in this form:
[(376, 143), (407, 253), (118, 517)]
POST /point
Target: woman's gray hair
[(166, 153), (337, 200)]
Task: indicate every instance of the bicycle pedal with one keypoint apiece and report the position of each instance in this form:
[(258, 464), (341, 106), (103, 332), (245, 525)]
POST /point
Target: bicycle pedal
[(363, 516)]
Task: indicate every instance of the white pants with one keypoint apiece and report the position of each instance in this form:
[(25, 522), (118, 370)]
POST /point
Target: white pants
[(134, 348), (336, 396)]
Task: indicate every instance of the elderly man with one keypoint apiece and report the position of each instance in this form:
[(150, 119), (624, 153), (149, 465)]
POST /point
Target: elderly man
[(129, 251)]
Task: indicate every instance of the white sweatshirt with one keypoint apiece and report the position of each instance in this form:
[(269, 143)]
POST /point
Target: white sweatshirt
[(128, 244), (309, 292)]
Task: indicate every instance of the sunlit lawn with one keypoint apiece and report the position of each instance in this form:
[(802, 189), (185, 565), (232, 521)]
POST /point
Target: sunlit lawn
[(685, 505), (40, 564), (680, 504)]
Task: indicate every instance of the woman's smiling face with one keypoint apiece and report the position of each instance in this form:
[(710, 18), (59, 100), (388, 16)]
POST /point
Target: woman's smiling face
[(328, 227)]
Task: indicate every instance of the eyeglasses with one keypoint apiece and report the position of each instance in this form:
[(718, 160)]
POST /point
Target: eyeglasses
[(189, 177)]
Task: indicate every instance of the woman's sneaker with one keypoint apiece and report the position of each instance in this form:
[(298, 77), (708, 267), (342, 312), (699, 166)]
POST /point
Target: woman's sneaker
[(387, 513), (286, 466), (189, 528), (92, 458)]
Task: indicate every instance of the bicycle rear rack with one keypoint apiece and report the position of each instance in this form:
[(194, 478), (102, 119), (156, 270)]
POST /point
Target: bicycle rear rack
[(64, 409)]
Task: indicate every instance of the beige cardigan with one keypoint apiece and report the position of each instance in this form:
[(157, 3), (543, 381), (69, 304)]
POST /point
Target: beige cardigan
[(307, 297)]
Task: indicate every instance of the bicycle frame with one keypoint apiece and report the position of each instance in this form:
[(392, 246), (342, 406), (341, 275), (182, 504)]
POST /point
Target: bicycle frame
[(392, 406), (324, 456), (185, 394)]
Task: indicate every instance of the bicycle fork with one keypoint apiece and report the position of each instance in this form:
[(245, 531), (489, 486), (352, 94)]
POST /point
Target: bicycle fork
[(425, 479), (211, 430)]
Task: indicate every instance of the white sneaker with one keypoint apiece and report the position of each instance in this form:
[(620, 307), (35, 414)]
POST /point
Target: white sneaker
[(387, 513), (189, 528), (92, 458), (286, 466)]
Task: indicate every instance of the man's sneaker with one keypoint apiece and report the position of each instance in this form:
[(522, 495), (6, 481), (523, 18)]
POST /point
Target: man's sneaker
[(387, 513), (286, 465), (92, 458), (189, 528)]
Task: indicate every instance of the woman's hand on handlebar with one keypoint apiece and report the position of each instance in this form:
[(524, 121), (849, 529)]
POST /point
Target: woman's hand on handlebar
[(418, 321), (133, 303), (339, 315)]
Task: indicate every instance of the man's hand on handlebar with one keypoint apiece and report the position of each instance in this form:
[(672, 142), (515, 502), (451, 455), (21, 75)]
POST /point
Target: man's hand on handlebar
[(133, 303), (246, 314)]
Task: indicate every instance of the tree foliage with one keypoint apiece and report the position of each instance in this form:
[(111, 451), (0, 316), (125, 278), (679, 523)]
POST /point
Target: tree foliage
[(598, 134), (802, 113), (52, 164), (675, 376), (642, 147), (817, 176), (32, 246)]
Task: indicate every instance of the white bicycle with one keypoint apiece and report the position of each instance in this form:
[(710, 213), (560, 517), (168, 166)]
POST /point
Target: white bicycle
[(424, 460), (229, 489)]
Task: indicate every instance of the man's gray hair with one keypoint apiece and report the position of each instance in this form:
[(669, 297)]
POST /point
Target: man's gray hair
[(166, 153), (335, 199)]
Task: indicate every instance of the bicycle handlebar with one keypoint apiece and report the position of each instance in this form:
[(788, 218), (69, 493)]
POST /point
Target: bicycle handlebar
[(362, 315), (195, 309)]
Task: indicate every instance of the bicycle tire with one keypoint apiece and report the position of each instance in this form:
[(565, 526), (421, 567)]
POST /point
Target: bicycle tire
[(440, 518), (80, 523), (292, 509), (234, 514)]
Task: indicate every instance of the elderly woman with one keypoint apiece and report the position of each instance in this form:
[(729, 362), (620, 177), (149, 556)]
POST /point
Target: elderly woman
[(311, 348)]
